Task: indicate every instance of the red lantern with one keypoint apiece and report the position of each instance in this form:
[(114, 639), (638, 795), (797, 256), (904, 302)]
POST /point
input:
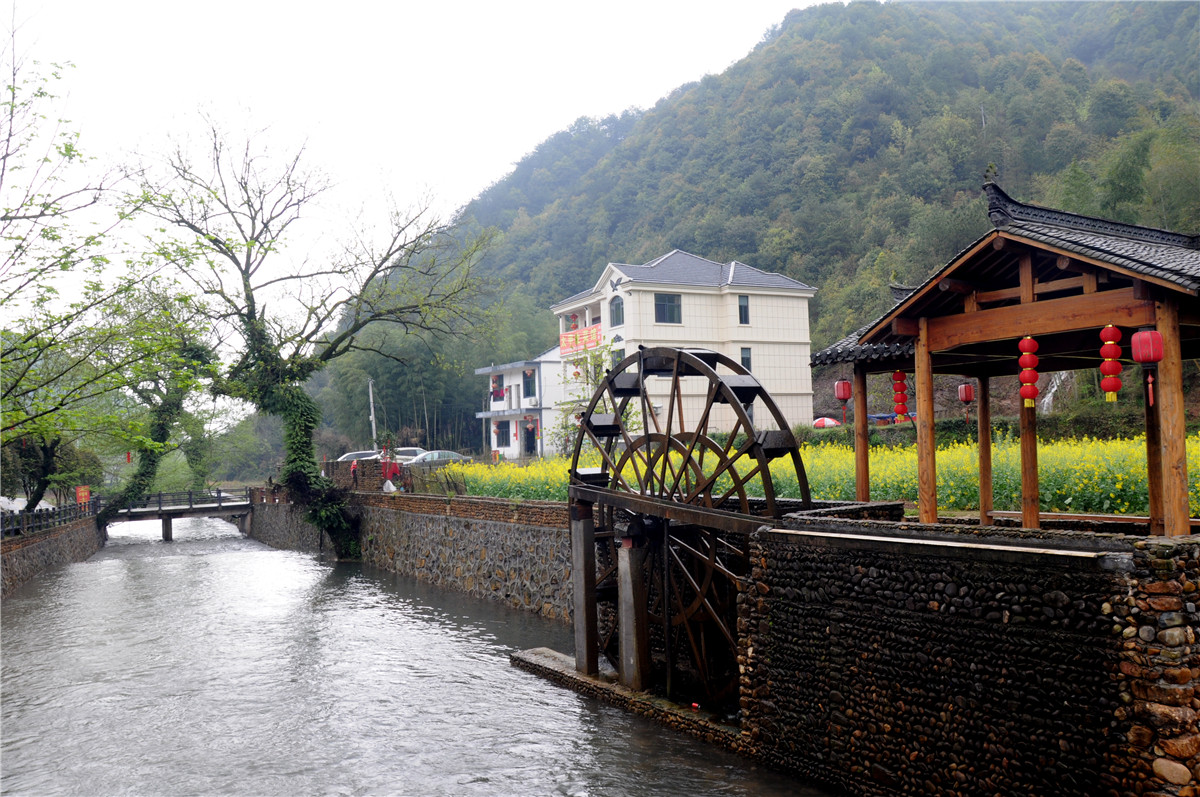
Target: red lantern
[(843, 391), (128, 456), (1111, 367), (900, 396), (966, 393), (1029, 375), (1147, 346)]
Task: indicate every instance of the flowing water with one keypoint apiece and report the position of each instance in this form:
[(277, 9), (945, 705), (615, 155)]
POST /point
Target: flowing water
[(214, 665)]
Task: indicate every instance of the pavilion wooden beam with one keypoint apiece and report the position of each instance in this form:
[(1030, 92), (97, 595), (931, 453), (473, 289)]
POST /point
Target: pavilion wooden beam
[(1172, 428), (984, 424), (1050, 316), (926, 444), (862, 454)]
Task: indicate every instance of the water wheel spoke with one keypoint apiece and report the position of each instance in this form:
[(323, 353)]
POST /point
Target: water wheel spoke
[(702, 595)]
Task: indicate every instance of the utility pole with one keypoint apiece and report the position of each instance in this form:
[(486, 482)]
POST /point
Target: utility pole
[(371, 398)]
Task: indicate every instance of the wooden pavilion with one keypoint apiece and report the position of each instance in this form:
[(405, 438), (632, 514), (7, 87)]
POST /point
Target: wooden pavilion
[(1059, 278)]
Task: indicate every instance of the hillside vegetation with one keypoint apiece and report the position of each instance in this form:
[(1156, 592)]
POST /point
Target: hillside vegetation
[(847, 150)]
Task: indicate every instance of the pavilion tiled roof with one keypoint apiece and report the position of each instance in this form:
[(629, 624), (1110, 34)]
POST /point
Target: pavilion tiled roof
[(1171, 257)]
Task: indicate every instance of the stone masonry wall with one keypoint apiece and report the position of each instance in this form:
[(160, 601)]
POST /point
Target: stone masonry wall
[(942, 666), (518, 553), (284, 526), (24, 557)]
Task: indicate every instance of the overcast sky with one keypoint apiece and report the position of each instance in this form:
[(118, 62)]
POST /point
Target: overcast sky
[(438, 97)]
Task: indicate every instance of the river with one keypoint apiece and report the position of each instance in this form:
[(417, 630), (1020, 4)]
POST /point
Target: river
[(215, 665)]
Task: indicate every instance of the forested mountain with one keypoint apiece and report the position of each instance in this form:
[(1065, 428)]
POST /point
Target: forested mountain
[(847, 150)]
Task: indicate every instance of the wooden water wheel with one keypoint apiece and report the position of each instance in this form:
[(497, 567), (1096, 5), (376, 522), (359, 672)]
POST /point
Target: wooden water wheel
[(648, 458)]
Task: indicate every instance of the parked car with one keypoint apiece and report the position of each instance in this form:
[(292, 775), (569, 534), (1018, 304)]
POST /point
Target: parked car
[(358, 455), (439, 458), (406, 454)]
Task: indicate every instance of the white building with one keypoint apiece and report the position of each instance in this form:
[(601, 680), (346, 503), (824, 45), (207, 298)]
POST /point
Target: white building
[(755, 317), (520, 405)]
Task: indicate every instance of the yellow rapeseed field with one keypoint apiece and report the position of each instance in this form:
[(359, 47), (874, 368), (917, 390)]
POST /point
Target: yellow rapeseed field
[(1085, 475)]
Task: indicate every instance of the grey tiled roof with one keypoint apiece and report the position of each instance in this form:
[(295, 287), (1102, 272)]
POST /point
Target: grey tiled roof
[(681, 268), (1161, 254)]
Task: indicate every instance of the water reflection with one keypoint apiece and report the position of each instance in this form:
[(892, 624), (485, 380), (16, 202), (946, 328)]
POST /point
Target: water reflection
[(215, 665)]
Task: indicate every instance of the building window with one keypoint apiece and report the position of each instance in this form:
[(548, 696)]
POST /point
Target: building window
[(498, 387), (743, 309), (616, 312), (529, 383), (617, 356), (502, 433), (667, 308), (746, 358)]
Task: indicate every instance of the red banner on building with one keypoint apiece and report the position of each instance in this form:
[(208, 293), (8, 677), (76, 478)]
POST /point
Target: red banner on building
[(580, 339)]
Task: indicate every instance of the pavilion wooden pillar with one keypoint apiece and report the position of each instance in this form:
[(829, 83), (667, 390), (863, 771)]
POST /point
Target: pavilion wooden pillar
[(926, 444), (862, 432), (1153, 453), (1030, 517), (984, 422), (1172, 430)]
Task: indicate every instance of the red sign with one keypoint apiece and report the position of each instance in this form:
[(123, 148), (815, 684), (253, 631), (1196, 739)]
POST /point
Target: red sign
[(580, 339), (83, 494)]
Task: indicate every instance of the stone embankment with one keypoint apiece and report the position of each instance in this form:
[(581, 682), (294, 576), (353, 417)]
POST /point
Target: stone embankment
[(25, 556), (515, 552)]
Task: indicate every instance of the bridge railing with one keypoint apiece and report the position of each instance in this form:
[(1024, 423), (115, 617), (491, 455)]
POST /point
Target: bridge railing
[(192, 499), (14, 523)]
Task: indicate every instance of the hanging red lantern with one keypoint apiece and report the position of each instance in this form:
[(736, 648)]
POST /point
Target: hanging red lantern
[(900, 396), (1110, 368), (966, 393), (1147, 348), (842, 391), (128, 457), (1029, 375)]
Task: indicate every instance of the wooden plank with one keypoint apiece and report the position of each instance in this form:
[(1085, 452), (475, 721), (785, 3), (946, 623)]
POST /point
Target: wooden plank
[(1029, 468), (984, 424), (998, 295), (1068, 314), (862, 437), (1153, 452), (1025, 269), (926, 444), (956, 286), (1172, 428), (905, 327)]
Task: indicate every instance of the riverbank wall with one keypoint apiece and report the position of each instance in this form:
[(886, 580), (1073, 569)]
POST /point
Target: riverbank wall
[(514, 552), (25, 556)]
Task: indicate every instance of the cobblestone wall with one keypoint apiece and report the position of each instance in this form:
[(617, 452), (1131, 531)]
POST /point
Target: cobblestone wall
[(284, 526), (944, 664), (518, 553), (25, 556)]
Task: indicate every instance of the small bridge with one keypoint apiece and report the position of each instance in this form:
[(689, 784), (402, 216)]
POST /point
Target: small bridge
[(168, 506)]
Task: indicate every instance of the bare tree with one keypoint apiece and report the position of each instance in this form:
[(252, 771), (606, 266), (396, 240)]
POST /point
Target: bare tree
[(283, 316)]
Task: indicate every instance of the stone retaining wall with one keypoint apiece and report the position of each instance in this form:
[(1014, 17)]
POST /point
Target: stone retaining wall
[(925, 660), (25, 556), (284, 526), (518, 553)]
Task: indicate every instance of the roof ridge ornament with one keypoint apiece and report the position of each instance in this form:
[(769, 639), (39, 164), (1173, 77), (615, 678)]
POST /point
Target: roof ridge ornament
[(1003, 210)]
